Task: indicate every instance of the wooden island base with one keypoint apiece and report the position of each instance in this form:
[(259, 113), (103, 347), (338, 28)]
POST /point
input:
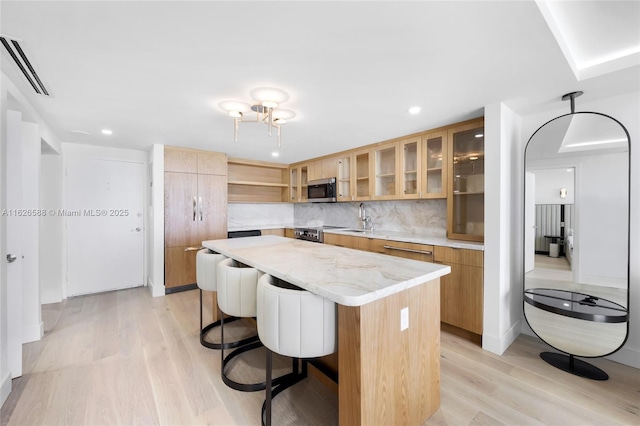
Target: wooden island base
[(388, 376)]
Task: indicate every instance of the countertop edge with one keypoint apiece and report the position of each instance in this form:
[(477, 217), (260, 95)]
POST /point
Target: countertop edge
[(430, 240)]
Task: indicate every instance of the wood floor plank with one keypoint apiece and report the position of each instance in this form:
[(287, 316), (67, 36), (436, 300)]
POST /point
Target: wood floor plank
[(127, 358)]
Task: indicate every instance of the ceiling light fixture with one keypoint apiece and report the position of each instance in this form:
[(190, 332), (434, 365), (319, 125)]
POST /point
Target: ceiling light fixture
[(414, 110), (266, 102), (107, 132)]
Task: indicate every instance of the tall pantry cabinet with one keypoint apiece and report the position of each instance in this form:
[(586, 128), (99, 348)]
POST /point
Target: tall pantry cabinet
[(195, 209)]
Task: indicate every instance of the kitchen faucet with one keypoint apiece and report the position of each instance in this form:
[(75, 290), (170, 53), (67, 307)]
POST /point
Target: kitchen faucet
[(362, 214)]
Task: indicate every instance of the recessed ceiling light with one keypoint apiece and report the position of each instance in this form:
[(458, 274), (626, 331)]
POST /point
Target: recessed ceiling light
[(414, 110), (479, 135), (107, 132), (569, 170), (275, 154)]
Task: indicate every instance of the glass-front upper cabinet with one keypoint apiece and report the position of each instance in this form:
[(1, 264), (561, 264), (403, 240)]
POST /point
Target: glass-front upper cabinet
[(294, 185), (345, 191), (385, 171), (434, 165), (410, 154), (465, 205), (304, 197), (298, 184), (362, 173)]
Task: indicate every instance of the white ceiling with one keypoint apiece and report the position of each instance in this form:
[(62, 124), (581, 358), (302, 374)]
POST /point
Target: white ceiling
[(154, 72)]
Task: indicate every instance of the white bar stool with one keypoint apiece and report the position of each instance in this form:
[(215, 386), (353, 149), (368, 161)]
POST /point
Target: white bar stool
[(292, 322), (237, 297), (206, 267)]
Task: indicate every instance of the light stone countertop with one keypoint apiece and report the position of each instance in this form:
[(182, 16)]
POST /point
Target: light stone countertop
[(435, 240), (345, 276)]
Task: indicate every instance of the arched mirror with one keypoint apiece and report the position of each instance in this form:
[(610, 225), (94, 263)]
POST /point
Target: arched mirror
[(576, 226)]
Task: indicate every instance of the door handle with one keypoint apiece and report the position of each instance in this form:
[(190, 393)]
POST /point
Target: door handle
[(194, 209), (200, 202), (11, 258), (138, 229)]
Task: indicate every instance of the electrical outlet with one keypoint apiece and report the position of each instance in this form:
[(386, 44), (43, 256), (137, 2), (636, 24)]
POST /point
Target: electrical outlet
[(404, 318)]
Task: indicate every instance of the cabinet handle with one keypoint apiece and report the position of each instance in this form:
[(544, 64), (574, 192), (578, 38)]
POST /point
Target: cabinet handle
[(194, 208), (200, 202), (194, 248), (408, 249)]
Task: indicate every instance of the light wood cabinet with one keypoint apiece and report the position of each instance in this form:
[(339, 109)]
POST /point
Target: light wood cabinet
[(345, 178), (323, 168), (298, 178), (461, 292), (435, 164), (385, 172), (465, 202), (348, 241), (362, 175), (410, 176), (289, 233), (422, 252), (257, 181), (195, 209), (315, 170)]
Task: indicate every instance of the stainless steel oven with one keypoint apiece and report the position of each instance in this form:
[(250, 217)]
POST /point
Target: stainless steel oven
[(315, 233)]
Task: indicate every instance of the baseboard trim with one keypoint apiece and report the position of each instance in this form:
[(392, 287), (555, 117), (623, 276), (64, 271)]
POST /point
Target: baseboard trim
[(499, 344), (155, 290), (180, 288), (5, 388), (32, 333), (51, 296)]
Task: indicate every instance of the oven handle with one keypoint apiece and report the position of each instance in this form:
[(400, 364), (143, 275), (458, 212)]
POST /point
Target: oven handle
[(408, 249)]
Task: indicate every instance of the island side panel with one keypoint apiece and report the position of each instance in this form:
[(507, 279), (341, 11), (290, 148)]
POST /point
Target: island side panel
[(388, 376)]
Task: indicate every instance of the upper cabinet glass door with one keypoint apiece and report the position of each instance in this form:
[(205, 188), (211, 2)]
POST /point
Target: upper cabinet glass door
[(410, 161), (385, 172), (294, 185), (345, 192), (465, 206), (435, 165), (363, 183)]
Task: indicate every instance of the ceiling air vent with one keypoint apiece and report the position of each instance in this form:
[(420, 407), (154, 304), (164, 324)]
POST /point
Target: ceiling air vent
[(21, 60)]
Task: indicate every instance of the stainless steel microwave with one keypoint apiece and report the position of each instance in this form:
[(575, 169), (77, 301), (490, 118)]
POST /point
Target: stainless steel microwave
[(322, 190)]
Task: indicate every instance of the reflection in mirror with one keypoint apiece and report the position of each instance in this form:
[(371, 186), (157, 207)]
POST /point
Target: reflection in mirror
[(576, 240)]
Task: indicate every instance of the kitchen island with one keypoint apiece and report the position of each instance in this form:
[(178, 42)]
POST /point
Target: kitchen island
[(386, 375)]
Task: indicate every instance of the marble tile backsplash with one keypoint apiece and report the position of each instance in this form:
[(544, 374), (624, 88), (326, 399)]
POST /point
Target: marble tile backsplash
[(245, 216), (415, 216)]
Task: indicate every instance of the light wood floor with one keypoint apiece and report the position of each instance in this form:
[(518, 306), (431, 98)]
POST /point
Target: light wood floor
[(123, 358)]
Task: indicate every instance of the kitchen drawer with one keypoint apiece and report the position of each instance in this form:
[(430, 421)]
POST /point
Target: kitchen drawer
[(458, 256), (414, 251)]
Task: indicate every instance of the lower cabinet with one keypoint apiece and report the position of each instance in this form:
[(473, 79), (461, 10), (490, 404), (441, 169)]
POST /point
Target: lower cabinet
[(461, 292)]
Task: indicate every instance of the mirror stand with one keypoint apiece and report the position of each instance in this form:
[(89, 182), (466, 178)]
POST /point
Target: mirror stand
[(571, 364), (576, 265)]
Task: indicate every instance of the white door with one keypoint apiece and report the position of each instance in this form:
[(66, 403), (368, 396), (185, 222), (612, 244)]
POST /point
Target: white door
[(529, 222), (13, 176), (105, 221)]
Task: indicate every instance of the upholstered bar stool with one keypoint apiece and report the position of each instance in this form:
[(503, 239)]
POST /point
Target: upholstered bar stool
[(292, 322), (206, 267), (237, 297)]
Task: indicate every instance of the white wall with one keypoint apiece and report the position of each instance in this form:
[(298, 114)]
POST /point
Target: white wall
[(32, 327), (503, 255), (52, 236), (626, 109), (11, 97), (549, 182), (156, 221)]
